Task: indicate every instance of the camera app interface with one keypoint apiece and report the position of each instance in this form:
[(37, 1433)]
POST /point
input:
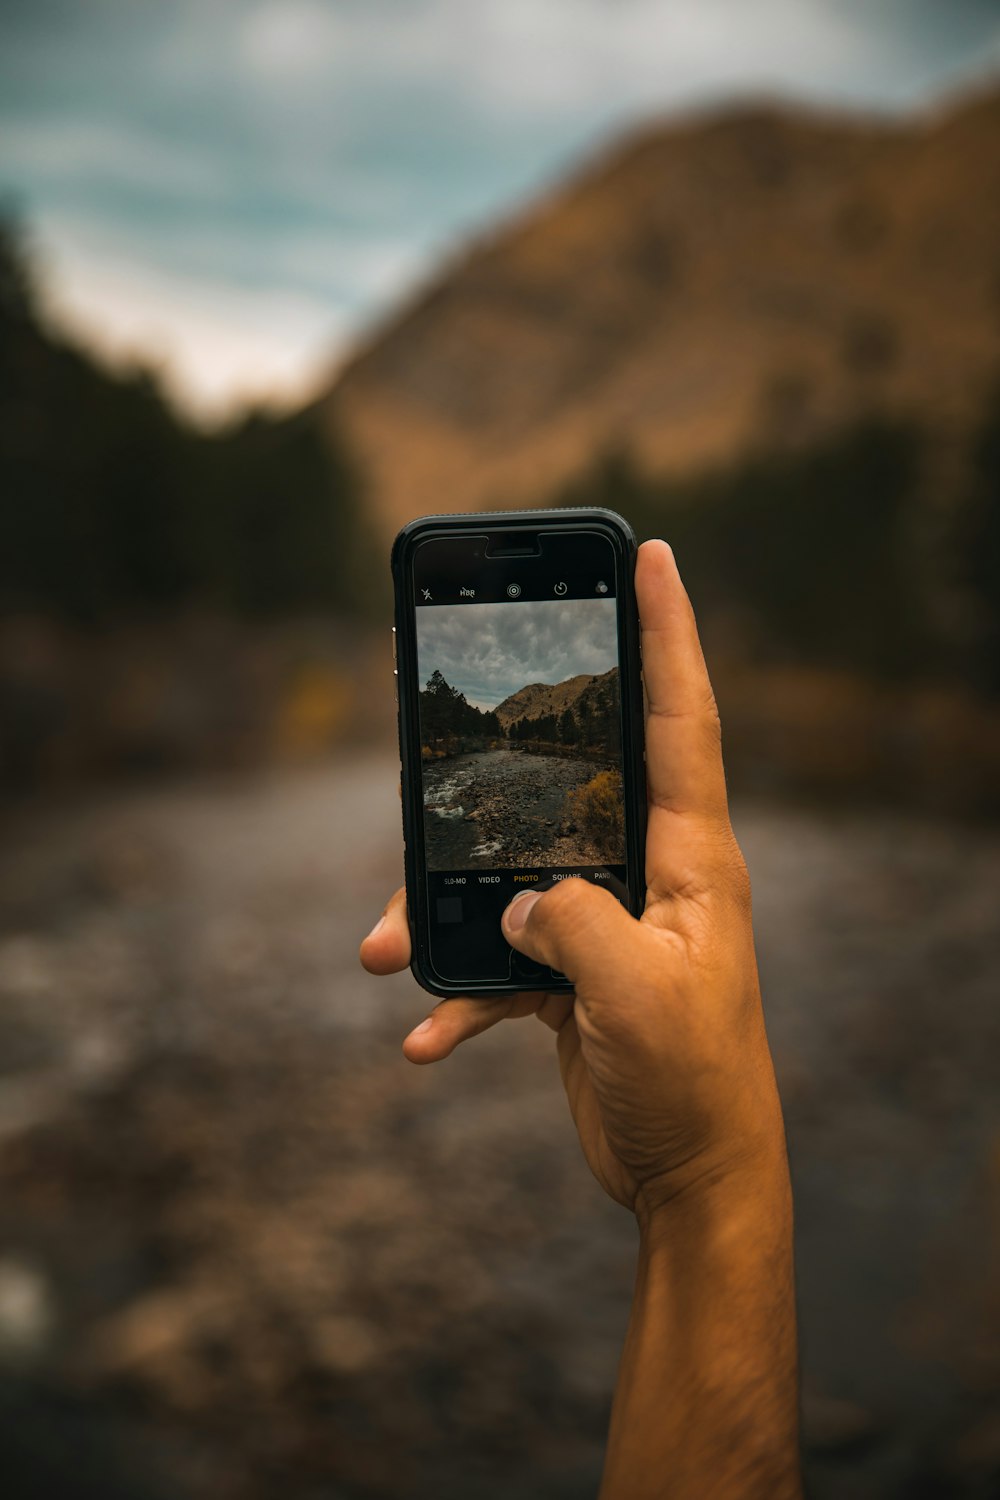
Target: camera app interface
[(520, 730)]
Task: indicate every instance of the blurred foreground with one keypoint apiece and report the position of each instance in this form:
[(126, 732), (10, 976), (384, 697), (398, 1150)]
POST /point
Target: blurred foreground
[(248, 1249)]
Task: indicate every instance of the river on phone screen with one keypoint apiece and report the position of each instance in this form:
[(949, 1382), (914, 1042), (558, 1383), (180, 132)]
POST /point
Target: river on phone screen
[(506, 807)]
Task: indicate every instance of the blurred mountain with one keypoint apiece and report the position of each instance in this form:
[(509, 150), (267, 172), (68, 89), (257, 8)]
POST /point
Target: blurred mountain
[(770, 336), (747, 281), (538, 699)]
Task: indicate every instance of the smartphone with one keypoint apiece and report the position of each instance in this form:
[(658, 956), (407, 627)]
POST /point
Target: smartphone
[(520, 729)]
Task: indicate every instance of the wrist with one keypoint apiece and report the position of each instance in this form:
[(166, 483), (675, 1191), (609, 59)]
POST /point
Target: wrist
[(710, 1361), (732, 1194)]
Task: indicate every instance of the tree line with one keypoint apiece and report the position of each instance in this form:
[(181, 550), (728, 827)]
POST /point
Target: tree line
[(451, 723), (839, 554), (113, 506), (447, 717)]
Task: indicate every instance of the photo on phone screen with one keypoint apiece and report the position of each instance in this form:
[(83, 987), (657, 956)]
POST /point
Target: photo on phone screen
[(520, 722)]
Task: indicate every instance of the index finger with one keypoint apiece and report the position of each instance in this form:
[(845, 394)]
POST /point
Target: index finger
[(386, 950), (685, 778)]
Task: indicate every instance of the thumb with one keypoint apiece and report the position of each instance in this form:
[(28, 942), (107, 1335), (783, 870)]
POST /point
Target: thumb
[(576, 928)]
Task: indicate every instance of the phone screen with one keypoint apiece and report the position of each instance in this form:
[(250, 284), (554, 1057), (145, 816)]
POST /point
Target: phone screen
[(520, 717)]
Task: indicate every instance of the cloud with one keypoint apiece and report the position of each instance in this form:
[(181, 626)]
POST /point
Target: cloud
[(489, 651), (216, 347), (332, 150), (294, 39)]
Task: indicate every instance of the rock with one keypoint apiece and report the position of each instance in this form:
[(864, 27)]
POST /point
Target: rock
[(29, 967), (346, 1344), (158, 1328), (27, 1311), (126, 864)]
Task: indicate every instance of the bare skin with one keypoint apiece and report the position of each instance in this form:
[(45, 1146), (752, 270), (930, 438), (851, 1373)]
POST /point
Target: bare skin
[(665, 1062)]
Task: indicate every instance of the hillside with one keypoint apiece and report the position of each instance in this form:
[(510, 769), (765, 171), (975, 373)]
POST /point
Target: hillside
[(540, 698), (752, 279)]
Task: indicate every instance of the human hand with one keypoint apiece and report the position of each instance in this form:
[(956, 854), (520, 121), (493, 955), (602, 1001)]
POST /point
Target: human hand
[(662, 1047)]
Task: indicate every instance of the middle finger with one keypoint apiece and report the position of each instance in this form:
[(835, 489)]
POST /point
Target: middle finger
[(454, 1021)]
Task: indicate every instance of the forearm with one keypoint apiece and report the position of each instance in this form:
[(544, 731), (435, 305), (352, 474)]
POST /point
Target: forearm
[(706, 1405)]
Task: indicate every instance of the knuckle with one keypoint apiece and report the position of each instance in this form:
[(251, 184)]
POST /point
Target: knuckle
[(739, 878), (711, 717), (555, 904), (723, 861), (563, 908)]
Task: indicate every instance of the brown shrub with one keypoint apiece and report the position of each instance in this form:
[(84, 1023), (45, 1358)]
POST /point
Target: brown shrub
[(598, 808)]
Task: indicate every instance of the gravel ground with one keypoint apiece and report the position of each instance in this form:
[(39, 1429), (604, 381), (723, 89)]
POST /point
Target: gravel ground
[(477, 806), (246, 1249)]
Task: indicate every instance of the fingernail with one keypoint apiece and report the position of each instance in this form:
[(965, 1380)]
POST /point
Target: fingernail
[(424, 1026), (516, 914), (378, 926)]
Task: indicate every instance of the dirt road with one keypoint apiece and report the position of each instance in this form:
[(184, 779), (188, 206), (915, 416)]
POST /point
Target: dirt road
[(246, 1249), (511, 804)]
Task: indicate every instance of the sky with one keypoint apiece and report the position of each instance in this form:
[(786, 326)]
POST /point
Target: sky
[(489, 651), (236, 191)]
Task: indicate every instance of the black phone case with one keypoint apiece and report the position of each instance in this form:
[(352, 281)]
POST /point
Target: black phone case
[(633, 752)]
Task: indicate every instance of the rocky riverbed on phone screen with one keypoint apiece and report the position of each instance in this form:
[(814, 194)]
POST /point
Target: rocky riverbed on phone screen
[(508, 807), (246, 1249)]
